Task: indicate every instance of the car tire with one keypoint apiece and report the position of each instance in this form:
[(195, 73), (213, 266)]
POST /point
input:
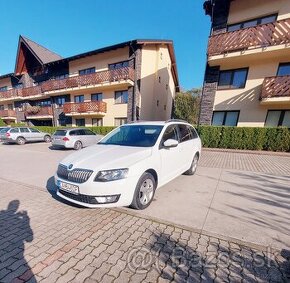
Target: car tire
[(144, 192), (20, 140), (47, 138), (78, 145), (193, 166)]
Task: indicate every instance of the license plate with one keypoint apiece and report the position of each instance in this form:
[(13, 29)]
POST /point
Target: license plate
[(68, 187)]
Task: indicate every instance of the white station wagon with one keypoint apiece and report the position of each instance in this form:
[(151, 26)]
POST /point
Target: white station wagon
[(129, 164)]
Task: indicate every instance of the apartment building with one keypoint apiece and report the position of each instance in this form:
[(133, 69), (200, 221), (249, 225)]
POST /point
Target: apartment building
[(247, 78), (109, 86)]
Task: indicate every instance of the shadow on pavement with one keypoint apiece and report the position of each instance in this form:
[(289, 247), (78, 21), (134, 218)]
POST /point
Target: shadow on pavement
[(15, 231), (178, 260)]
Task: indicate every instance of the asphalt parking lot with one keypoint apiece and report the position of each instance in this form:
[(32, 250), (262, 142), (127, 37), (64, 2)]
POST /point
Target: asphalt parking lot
[(237, 197)]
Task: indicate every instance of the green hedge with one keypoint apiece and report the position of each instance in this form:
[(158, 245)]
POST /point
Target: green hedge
[(272, 139), (97, 130)]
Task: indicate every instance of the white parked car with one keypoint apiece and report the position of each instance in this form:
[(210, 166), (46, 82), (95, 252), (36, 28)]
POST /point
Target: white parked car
[(129, 164)]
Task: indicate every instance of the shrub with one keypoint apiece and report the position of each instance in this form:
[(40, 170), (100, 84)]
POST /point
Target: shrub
[(274, 139), (2, 123)]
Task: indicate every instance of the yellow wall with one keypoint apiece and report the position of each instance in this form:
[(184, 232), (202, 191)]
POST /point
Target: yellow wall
[(252, 113), (99, 61), (242, 10), (156, 63)]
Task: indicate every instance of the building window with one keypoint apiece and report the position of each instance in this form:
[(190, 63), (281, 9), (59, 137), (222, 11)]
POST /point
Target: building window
[(3, 88), (1, 107), (79, 98), (231, 79), (61, 77), (20, 85), (120, 121), (118, 65), (276, 118), (43, 103), (159, 79), (97, 96), (10, 106), (80, 122), (121, 96), (225, 118), (284, 69), (253, 23), (97, 122), (87, 71), (60, 100)]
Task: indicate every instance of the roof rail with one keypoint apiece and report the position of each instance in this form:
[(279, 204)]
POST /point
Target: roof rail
[(176, 120)]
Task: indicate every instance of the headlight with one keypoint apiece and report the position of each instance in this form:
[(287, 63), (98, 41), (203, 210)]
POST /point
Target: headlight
[(111, 175)]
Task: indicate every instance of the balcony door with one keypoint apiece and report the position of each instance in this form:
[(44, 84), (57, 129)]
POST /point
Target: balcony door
[(79, 98)]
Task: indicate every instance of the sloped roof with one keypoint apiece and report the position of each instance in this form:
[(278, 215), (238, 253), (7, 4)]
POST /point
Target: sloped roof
[(43, 54)]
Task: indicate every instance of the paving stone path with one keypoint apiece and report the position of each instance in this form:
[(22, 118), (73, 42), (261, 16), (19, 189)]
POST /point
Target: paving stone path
[(45, 240), (272, 164)]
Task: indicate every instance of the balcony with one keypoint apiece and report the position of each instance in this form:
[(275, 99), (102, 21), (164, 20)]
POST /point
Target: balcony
[(8, 114), (85, 108), (39, 112), (265, 35), (276, 90), (108, 77)]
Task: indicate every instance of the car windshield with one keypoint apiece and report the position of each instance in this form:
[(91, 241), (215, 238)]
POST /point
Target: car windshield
[(133, 135), (60, 133)]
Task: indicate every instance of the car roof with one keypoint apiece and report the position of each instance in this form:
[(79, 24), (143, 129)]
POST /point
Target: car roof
[(159, 123), (70, 129)]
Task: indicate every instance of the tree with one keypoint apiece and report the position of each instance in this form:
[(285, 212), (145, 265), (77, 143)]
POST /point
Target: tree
[(187, 104)]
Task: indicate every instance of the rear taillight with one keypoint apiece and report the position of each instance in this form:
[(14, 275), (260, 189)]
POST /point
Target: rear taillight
[(65, 139), (7, 135)]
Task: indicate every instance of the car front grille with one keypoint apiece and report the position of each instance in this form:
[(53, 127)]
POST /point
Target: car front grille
[(75, 175)]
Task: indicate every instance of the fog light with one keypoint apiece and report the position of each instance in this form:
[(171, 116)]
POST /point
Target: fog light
[(107, 199)]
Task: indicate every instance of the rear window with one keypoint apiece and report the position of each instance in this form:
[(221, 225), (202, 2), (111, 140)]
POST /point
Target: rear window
[(4, 130), (60, 133)]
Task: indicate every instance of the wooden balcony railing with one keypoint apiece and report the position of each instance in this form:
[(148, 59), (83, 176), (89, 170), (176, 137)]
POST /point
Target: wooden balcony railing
[(91, 79), (85, 107), (276, 87), (7, 113), (264, 35), (37, 111), (126, 73)]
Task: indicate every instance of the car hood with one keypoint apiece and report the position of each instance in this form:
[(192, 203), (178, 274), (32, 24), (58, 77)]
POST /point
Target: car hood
[(104, 157)]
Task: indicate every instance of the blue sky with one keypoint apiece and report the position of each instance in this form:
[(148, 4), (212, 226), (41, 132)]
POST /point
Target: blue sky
[(69, 27)]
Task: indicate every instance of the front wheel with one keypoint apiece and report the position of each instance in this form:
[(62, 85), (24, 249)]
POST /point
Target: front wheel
[(20, 141), (144, 192), (193, 166), (47, 139)]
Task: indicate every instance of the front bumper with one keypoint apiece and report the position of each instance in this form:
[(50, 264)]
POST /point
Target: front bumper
[(89, 190)]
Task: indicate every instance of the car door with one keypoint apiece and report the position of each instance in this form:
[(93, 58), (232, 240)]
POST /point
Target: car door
[(169, 157), (24, 132), (36, 135), (90, 137), (187, 150)]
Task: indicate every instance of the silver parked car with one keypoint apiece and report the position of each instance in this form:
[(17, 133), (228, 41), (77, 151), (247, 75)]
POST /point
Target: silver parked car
[(21, 135), (75, 138)]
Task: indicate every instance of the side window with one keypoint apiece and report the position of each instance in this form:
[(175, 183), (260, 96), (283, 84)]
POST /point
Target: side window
[(81, 132), (193, 133), (24, 130), (89, 133), (170, 133), (34, 130), (184, 133), (73, 133), (16, 130)]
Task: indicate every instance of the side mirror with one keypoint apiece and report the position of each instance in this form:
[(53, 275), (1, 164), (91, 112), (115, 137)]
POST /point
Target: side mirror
[(170, 143)]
